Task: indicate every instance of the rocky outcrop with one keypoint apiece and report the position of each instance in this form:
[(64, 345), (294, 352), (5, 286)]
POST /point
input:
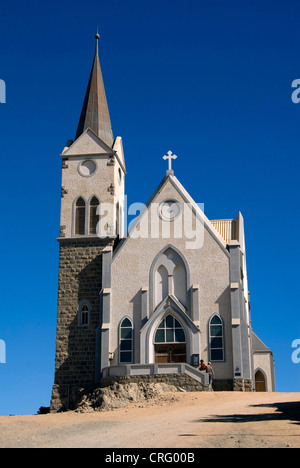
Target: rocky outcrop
[(121, 395)]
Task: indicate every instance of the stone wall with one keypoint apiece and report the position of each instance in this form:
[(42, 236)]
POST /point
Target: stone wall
[(80, 278), (67, 397), (180, 381), (242, 385)]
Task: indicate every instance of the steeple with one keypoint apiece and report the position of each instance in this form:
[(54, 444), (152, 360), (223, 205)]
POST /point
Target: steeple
[(95, 113)]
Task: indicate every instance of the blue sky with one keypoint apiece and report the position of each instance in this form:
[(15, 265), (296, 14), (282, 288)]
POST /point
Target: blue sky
[(210, 81)]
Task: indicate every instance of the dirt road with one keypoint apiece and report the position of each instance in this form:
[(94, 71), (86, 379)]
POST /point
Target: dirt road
[(177, 420)]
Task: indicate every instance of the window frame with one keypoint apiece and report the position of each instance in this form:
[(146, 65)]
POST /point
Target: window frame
[(166, 328), (76, 216), (97, 217), (161, 259), (87, 216), (131, 349), (84, 303), (222, 337)]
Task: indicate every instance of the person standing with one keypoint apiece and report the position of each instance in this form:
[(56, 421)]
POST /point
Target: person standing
[(211, 374), (202, 366)]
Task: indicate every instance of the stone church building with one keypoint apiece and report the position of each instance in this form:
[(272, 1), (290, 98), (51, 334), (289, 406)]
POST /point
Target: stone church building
[(154, 301)]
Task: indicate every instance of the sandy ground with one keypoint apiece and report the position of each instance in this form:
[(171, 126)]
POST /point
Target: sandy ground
[(177, 420)]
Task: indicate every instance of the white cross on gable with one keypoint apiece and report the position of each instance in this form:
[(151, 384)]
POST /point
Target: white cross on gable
[(169, 158)]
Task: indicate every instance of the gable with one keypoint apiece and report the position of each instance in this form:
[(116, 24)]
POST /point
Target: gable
[(87, 144), (191, 222)]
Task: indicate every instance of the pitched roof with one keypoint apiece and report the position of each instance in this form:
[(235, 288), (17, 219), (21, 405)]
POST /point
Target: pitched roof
[(187, 199), (257, 345), (95, 113)]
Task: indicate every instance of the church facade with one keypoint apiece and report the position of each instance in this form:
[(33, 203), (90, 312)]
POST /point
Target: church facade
[(156, 300)]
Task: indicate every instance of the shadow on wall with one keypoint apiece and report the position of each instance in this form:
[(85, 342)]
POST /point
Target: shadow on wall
[(80, 279)]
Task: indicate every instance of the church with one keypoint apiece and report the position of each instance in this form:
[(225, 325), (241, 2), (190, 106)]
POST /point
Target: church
[(157, 299)]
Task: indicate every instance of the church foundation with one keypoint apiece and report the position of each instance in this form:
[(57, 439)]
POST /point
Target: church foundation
[(242, 385)]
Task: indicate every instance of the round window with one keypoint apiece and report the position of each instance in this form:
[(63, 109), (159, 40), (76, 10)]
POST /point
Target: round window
[(169, 210), (87, 168)]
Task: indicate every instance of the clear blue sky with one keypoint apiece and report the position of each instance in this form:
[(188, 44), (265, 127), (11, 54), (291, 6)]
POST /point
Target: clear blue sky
[(210, 81)]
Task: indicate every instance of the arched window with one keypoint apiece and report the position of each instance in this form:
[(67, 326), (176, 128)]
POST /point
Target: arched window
[(179, 276), (126, 341), (161, 284), (94, 218), (170, 331), (170, 277), (84, 314), (216, 339), (80, 217)]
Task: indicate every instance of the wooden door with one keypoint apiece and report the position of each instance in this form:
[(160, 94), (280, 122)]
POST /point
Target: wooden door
[(260, 382), (168, 353), (178, 353), (162, 354)]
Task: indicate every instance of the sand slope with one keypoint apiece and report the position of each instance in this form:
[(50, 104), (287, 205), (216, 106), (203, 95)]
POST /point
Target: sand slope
[(173, 420)]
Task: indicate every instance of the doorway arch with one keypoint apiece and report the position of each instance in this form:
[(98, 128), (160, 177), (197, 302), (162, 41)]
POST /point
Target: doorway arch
[(170, 341), (260, 381), (169, 306)]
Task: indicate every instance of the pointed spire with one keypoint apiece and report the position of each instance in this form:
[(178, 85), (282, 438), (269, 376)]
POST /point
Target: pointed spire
[(95, 113)]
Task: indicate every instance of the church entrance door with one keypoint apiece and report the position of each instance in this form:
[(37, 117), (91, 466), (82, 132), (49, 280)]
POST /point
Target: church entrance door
[(167, 353), (170, 341), (260, 382)]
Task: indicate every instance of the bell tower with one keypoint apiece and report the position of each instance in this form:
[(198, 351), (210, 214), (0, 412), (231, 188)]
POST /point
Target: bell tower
[(92, 207), (93, 169)]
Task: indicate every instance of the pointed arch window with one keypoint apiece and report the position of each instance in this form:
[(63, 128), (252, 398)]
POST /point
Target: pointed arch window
[(80, 217), (126, 341), (84, 315), (94, 218), (170, 331), (216, 339), (84, 311), (180, 289), (161, 284), (170, 277)]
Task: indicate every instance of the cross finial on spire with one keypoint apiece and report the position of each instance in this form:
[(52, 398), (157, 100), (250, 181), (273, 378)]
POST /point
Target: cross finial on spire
[(97, 37), (95, 113), (169, 158)]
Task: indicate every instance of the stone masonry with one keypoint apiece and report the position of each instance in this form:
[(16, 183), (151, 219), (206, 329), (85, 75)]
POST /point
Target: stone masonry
[(80, 278), (70, 398)]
